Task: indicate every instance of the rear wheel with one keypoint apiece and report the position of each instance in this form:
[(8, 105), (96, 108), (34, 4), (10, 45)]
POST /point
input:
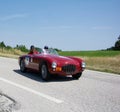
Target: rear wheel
[(77, 76), (44, 72), (22, 66)]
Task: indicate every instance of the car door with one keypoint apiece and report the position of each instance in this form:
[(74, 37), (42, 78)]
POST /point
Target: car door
[(34, 62)]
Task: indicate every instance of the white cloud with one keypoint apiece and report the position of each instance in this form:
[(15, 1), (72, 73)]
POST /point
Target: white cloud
[(101, 28), (56, 27), (15, 16)]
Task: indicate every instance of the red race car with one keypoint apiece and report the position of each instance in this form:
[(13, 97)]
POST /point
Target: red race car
[(48, 63)]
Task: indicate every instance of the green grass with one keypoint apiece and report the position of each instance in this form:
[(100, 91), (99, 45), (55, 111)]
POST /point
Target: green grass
[(90, 53)]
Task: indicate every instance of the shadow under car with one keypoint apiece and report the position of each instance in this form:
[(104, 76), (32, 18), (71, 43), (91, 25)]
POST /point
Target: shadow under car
[(36, 76)]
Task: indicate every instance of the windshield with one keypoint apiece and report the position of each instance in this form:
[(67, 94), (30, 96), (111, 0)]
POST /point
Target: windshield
[(48, 51)]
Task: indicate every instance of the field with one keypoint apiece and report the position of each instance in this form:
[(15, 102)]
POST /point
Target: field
[(12, 53), (90, 53), (107, 61)]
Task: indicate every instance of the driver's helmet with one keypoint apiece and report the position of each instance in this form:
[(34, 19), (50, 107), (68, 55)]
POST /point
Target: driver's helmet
[(32, 47), (45, 47)]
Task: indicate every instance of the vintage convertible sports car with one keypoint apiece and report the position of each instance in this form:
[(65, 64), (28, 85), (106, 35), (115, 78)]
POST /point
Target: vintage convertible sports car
[(49, 63)]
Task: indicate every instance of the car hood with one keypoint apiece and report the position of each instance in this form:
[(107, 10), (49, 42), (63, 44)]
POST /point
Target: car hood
[(62, 59)]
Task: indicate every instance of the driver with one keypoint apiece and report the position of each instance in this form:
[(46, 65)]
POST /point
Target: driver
[(33, 50)]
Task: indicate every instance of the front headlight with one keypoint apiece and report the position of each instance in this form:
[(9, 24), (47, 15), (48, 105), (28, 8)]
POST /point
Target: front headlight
[(54, 64), (83, 65)]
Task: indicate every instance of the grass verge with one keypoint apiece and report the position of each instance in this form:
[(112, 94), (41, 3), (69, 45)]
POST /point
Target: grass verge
[(105, 64), (11, 53)]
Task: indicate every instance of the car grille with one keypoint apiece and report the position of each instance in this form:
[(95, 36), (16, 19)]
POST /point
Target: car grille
[(69, 69)]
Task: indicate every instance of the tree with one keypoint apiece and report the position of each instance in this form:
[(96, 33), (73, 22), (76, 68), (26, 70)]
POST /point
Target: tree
[(22, 48), (8, 47), (58, 50), (117, 44), (119, 37), (2, 44)]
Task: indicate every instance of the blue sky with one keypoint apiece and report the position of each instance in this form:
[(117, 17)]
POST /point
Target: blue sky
[(62, 24)]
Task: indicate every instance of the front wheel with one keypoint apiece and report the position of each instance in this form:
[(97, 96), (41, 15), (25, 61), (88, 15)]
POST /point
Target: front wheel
[(44, 72), (22, 66), (77, 76)]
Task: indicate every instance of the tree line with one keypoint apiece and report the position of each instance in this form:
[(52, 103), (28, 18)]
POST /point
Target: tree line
[(22, 48), (19, 47)]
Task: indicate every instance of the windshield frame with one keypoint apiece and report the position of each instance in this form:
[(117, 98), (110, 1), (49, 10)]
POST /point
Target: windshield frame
[(48, 51)]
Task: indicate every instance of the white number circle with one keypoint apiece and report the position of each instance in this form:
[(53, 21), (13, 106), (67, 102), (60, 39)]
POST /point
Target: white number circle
[(27, 60)]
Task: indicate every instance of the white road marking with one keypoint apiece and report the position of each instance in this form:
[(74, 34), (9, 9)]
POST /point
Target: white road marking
[(32, 91)]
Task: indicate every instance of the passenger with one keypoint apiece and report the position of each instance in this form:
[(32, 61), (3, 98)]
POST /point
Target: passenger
[(46, 49), (33, 51)]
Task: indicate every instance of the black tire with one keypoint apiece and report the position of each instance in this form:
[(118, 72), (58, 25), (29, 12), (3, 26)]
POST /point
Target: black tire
[(77, 76), (22, 66), (44, 72)]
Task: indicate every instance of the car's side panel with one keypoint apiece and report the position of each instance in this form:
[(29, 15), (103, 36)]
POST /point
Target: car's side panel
[(34, 64)]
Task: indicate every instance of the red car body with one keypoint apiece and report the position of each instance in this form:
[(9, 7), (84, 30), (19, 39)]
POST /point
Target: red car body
[(49, 62)]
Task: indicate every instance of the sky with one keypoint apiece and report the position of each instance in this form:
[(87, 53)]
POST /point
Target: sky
[(63, 24)]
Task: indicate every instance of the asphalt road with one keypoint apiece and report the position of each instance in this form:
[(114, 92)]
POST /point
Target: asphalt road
[(93, 92)]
